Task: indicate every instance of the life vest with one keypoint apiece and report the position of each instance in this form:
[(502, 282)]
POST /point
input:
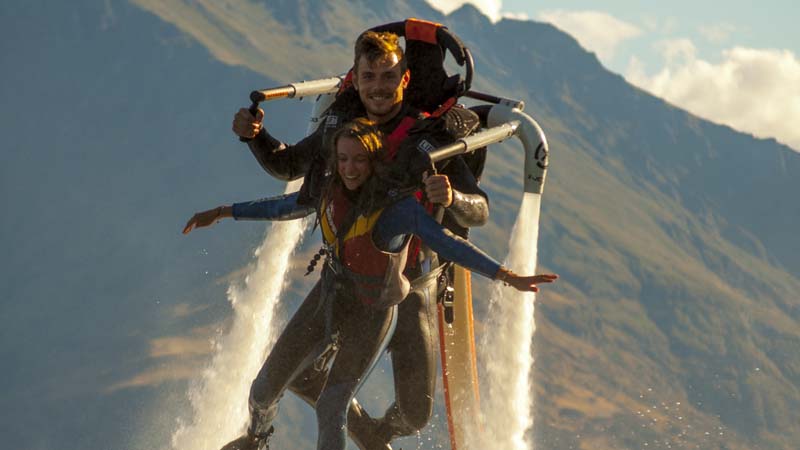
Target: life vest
[(361, 230), (375, 276)]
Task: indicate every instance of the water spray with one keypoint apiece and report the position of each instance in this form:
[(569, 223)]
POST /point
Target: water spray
[(219, 397)]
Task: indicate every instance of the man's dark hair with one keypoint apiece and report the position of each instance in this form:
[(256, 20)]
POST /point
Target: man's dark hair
[(375, 46)]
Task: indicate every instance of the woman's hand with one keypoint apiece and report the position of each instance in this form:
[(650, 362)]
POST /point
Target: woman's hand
[(524, 283), (208, 218)]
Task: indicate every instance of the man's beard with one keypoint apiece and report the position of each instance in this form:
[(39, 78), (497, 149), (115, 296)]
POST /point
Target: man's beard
[(387, 103)]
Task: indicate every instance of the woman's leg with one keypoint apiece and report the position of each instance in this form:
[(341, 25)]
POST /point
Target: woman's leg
[(414, 353), (364, 334), (299, 344), (362, 429)]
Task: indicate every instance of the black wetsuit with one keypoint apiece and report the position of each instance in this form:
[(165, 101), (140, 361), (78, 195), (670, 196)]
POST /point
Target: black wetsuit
[(332, 324), (413, 347)]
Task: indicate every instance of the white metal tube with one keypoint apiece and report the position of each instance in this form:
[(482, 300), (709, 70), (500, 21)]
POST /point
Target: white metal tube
[(471, 143), (533, 141), (316, 87), (299, 89)]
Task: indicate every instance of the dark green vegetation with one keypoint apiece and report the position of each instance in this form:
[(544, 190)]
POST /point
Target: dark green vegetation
[(675, 322)]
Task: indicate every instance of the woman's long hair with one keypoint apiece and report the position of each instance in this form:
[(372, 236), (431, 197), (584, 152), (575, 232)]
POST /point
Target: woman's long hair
[(371, 139)]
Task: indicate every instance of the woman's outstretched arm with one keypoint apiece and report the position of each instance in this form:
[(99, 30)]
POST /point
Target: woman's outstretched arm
[(408, 217), (282, 207)]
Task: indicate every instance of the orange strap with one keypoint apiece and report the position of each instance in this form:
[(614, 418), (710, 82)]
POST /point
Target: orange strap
[(422, 30)]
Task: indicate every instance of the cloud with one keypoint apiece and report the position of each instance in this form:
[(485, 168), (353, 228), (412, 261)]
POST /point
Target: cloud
[(516, 16), (658, 24), (172, 358), (752, 90), (677, 51), (717, 33), (155, 376), (490, 8), (183, 310), (178, 346), (596, 31)]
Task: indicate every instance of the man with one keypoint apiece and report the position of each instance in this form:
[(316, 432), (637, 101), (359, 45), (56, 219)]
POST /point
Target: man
[(380, 77)]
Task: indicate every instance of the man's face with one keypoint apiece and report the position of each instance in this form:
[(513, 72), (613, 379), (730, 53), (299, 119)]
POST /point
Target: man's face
[(380, 86)]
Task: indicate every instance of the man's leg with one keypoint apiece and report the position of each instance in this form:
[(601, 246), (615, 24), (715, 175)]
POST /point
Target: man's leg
[(414, 353)]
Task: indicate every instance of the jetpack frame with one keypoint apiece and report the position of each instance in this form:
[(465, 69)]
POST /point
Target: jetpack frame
[(501, 118), (505, 118)]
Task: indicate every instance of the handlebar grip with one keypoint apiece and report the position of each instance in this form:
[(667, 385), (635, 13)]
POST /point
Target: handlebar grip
[(254, 111)]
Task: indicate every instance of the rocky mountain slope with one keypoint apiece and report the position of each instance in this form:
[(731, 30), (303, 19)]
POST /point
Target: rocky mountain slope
[(675, 323)]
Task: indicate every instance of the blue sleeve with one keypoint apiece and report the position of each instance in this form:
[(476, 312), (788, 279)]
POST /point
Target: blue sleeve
[(281, 207), (407, 216)]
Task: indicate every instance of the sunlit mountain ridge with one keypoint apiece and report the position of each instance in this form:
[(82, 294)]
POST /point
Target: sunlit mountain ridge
[(675, 322)]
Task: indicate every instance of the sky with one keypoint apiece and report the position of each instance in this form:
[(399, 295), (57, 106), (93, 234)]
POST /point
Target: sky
[(736, 62)]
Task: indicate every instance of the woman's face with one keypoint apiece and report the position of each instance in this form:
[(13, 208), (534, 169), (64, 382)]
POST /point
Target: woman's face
[(352, 163)]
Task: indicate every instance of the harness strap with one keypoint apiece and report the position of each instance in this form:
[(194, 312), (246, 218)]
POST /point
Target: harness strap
[(444, 108), (328, 290), (424, 279), (397, 136)]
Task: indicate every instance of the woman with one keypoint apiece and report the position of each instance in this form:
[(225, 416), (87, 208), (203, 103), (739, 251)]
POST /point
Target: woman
[(362, 282)]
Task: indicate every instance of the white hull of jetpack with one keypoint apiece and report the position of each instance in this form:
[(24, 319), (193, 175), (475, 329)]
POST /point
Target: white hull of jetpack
[(506, 120), (533, 141)]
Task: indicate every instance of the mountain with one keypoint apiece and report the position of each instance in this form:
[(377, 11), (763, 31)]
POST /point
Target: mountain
[(675, 322), (116, 129)]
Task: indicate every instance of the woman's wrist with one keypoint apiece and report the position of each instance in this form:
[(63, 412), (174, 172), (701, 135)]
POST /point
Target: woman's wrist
[(503, 274), (225, 211)]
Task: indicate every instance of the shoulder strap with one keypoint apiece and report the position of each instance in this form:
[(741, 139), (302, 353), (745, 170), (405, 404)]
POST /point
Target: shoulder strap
[(396, 137), (341, 232)]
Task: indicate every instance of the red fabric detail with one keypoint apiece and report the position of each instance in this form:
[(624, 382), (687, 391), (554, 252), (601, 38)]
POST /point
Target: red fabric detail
[(426, 204), (422, 30), (415, 246), (347, 82), (361, 256), (445, 107), (397, 136)]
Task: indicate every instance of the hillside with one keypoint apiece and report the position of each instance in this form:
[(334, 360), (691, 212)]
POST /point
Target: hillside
[(675, 323), (678, 309)]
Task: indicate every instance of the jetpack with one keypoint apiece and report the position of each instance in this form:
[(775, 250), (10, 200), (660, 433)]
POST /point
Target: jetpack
[(432, 90)]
